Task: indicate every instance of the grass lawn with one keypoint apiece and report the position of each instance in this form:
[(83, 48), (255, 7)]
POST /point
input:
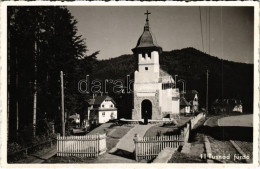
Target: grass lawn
[(166, 130), (103, 128), (114, 137)]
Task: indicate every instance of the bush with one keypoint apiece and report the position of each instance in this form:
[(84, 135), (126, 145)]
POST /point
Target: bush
[(13, 147)]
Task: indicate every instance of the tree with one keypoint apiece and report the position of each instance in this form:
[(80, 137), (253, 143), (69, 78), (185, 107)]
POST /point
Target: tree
[(44, 38)]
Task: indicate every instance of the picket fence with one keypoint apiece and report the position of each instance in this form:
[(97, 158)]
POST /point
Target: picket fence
[(149, 147), (83, 146)]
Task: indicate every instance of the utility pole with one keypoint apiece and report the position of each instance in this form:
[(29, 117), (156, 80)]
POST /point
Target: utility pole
[(207, 92), (62, 105), (17, 95), (175, 81), (35, 91)]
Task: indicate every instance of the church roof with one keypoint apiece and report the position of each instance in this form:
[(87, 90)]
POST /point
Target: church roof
[(147, 39), (163, 73), (165, 77)]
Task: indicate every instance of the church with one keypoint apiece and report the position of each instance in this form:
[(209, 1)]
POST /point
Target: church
[(155, 94)]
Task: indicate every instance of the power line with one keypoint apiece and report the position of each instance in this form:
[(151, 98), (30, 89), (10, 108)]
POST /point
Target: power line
[(222, 79), (201, 30), (206, 37), (209, 30)]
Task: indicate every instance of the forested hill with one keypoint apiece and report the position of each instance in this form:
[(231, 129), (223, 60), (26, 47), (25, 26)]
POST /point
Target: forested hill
[(191, 65)]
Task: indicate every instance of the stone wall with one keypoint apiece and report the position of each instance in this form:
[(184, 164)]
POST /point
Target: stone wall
[(156, 110)]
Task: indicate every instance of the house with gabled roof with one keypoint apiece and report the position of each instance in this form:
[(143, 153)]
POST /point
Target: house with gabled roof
[(101, 109), (192, 97), (184, 106)]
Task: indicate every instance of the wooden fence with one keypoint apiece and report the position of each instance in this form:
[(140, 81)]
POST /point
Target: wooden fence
[(149, 147), (83, 146)]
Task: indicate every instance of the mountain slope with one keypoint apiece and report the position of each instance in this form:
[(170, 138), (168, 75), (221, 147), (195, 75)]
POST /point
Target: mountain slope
[(191, 65)]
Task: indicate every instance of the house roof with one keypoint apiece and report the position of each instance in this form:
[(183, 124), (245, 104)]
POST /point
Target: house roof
[(190, 94), (74, 116), (97, 100), (184, 102)]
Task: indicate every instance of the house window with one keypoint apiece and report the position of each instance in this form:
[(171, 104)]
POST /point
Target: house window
[(146, 68), (103, 105), (111, 105), (112, 116), (103, 114)]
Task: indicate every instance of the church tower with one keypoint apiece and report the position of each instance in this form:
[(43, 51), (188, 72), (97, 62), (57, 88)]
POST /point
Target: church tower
[(153, 87), (147, 52)]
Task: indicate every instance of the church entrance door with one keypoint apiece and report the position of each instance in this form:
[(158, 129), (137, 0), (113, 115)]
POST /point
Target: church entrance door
[(146, 110)]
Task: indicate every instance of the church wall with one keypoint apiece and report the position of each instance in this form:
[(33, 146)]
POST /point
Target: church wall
[(156, 109), (154, 59), (146, 76), (144, 87), (166, 102)]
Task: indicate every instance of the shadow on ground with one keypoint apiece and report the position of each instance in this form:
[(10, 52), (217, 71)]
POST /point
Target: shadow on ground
[(125, 154), (226, 133)]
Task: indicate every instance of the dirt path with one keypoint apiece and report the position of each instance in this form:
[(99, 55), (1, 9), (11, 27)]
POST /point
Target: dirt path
[(126, 143)]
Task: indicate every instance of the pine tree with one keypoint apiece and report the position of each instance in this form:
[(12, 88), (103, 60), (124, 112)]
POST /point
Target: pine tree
[(44, 38)]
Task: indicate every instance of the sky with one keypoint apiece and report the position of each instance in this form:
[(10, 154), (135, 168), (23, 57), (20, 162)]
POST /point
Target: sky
[(114, 30)]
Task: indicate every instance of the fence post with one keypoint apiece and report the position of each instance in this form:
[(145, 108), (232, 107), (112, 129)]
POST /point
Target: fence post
[(26, 153), (98, 143), (52, 128), (58, 144), (136, 138), (182, 136)]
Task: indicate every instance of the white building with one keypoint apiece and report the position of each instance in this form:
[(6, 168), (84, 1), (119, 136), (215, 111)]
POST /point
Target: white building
[(101, 109), (184, 106), (192, 97), (155, 95)]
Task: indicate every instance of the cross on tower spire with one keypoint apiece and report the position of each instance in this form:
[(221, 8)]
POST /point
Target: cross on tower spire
[(147, 13)]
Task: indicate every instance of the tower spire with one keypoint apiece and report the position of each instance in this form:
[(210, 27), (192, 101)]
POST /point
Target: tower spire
[(146, 27), (147, 14)]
